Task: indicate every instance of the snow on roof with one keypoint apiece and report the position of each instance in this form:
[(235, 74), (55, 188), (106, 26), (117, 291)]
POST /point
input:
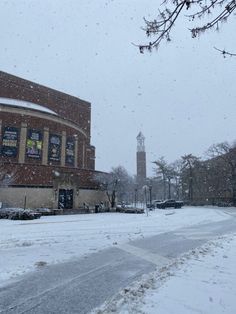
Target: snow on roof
[(24, 104)]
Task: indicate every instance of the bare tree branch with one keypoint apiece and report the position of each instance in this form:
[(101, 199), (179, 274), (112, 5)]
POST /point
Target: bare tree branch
[(224, 52), (163, 25)]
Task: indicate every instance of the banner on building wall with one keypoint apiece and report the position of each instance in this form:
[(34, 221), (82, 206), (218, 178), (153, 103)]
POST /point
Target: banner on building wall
[(9, 142), (70, 151), (54, 149), (34, 144)]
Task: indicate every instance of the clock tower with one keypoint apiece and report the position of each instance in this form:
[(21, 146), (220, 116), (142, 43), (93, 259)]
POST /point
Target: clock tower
[(141, 160)]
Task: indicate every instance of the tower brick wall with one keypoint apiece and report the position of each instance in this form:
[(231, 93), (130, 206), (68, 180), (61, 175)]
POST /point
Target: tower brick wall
[(141, 160)]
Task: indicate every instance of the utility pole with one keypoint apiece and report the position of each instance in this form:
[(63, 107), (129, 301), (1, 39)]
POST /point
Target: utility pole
[(135, 197), (25, 202)]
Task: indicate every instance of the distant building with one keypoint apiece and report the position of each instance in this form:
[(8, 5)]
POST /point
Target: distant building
[(141, 160), (45, 149)]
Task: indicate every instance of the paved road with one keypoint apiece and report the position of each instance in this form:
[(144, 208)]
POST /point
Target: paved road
[(80, 285)]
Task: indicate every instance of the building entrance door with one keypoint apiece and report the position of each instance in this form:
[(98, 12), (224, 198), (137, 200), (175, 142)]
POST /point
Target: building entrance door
[(65, 199)]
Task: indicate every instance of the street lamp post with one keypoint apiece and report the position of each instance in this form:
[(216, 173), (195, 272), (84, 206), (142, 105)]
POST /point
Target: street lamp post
[(145, 189), (25, 201), (169, 186), (150, 194), (135, 197)]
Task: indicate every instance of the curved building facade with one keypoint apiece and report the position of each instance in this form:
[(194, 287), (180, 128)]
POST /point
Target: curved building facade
[(46, 157)]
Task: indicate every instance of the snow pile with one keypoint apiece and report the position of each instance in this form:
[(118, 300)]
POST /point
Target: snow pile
[(53, 239), (200, 281)]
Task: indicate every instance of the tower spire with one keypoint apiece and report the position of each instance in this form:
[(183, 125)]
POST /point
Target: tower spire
[(140, 142)]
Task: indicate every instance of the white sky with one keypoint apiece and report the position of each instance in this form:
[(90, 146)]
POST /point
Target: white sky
[(182, 98)]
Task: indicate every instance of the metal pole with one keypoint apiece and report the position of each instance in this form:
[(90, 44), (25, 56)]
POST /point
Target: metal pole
[(169, 196), (25, 202), (150, 194), (146, 200)]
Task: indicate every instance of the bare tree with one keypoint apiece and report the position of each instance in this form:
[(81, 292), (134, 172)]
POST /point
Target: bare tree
[(227, 153), (177, 169), (162, 169), (108, 183), (125, 184), (215, 11), (189, 162), (170, 173), (118, 184)]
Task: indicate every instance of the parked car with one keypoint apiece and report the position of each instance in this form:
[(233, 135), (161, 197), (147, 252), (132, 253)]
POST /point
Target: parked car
[(169, 203), (120, 207), (18, 214), (24, 215), (155, 203), (44, 211), (133, 210), (151, 206), (128, 209)]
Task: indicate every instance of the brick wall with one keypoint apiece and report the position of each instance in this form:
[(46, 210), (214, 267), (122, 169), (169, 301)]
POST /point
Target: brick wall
[(39, 175), (14, 120), (69, 107), (41, 178)]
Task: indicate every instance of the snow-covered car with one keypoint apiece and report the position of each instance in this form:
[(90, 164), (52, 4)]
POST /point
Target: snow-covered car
[(151, 206), (155, 203), (120, 207), (44, 211), (133, 210), (18, 214), (24, 215), (6, 213)]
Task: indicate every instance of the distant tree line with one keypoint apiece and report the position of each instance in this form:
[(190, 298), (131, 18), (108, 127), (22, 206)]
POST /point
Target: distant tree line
[(192, 179), (197, 181)]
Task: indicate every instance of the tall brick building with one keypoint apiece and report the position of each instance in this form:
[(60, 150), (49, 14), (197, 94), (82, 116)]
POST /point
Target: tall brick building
[(141, 160), (45, 149)]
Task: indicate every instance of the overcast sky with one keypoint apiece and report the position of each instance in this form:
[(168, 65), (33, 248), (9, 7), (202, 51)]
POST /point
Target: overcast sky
[(182, 97)]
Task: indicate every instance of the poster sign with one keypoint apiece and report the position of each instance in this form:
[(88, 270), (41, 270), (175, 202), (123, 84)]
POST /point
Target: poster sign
[(9, 142), (70, 151), (54, 150), (34, 144)]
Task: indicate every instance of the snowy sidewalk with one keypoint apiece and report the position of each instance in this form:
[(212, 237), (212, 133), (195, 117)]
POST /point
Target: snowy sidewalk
[(27, 245), (202, 281)]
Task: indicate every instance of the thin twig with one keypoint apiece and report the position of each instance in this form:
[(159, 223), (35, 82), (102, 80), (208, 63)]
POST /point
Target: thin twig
[(224, 52)]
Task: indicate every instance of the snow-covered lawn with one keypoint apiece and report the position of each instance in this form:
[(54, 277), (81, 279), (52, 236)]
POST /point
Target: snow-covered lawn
[(206, 284), (24, 245), (201, 281)]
